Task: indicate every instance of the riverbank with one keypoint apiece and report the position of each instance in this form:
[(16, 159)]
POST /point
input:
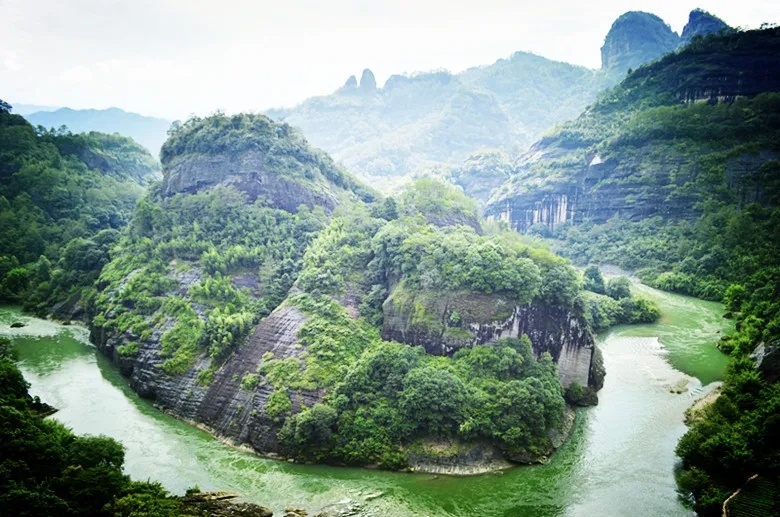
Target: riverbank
[(619, 458)]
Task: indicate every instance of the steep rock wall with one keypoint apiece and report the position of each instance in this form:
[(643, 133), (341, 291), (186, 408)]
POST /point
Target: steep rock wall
[(442, 324), (599, 190), (247, 172), (222, 406)]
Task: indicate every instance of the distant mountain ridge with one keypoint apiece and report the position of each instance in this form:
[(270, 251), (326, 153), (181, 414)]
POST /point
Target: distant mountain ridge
[(418, 122), (150, 132)]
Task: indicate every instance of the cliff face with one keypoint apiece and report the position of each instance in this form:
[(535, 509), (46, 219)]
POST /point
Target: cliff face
[(659, 144), (222, 406), (634, 39), (248, 172), (443, 324), (595, 191), (701, 23), (637, 38)]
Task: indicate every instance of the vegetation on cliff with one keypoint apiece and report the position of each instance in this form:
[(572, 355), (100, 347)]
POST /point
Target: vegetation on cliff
[(195, 271), (687, 163), (63, 200)]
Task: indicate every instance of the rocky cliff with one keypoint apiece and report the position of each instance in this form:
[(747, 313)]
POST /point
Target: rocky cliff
[(445, 323), (621, 158), (701, 23), (222, 405), (637, 38), (248, 172), (634, 39)]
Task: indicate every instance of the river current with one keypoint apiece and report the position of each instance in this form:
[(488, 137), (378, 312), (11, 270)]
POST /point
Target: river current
[(619, 461)]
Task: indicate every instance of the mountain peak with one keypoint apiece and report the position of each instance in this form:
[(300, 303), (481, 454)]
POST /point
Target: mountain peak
[(636, 38), (367, 80), (700, 22)]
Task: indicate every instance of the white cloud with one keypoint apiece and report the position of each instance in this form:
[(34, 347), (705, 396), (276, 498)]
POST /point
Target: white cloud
[(11, 61), (175, 57)]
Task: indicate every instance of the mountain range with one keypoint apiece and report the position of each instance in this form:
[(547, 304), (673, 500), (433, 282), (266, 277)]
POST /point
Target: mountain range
[(425, 120), (150, 132)]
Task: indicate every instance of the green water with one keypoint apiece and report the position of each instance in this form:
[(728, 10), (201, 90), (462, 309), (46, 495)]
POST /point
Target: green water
[(619, 461)]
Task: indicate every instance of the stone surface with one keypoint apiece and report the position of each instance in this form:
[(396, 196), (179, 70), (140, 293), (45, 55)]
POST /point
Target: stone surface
[(247, 172), (634, 39), (367, 81), (701, 23), (222, 407), (483, 319)]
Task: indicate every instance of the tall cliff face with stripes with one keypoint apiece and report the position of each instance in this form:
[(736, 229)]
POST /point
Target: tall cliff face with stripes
[(671, 136)]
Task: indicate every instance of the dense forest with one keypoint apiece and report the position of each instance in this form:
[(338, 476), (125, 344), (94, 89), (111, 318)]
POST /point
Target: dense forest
[(63, 200), (691, 205)]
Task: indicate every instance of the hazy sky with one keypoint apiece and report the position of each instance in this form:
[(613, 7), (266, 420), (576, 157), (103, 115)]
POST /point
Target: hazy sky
[(172, 58)]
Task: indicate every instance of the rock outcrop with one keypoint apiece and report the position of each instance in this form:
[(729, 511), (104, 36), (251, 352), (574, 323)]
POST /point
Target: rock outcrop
[(367, 81), (442, 324), (634, 39), (221, 406), (701, 23), (351, 82), (246, 171)]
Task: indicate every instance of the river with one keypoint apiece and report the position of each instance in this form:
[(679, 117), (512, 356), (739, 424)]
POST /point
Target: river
[(619, 461)]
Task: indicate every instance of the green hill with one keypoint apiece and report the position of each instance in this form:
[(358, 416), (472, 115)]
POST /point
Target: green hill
[(675, 173), (63, 199), (269, 296)]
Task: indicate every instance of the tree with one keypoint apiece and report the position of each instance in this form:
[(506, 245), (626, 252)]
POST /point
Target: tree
[(619, 288), (433, 399), (593, 280)]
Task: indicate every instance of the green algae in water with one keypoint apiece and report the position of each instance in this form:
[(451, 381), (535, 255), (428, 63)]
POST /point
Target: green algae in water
[(689, 329), (620, 456)]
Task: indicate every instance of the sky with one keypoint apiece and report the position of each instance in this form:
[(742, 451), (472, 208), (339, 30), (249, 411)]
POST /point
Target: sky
[(174, 58)]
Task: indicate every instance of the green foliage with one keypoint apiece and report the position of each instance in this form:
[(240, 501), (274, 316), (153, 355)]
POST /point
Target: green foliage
[(128, 349), (180, 343), (278, 403), (249, 381), (560, 285), (47, 470), (391, 395), (433, 258), (438, 202), (593, 281), (618, 288), (62, 198)]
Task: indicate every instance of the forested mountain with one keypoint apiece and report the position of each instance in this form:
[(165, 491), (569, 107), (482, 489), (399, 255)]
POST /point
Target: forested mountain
[(430, 119), (259, 287), (675, 173), (417, 121), (150, 132), (63, 200)]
